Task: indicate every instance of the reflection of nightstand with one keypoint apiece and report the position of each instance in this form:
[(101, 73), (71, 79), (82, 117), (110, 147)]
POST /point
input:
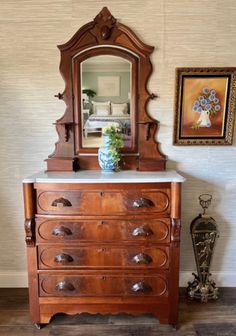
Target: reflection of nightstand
[(85, 115)]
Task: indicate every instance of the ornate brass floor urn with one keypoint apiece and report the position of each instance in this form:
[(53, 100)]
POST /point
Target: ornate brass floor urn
[(204, 232)]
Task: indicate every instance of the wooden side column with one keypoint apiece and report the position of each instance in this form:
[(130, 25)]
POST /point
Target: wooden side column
[(29, 205), (174, 252)]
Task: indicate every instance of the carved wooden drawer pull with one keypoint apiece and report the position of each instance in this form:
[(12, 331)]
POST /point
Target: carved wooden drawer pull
[(61, 231), (143, 203), (65, 286), (141, 287), (143, 231), (63, 258), (142, 258), (61, 202)]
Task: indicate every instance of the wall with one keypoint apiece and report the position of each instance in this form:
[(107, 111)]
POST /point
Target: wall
[(90, 80), (185, 33)]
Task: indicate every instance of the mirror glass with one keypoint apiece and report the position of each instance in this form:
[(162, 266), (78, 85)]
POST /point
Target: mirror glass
[(105, 98)]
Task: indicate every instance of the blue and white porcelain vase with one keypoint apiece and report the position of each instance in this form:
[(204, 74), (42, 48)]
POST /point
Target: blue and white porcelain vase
[(105, 158)]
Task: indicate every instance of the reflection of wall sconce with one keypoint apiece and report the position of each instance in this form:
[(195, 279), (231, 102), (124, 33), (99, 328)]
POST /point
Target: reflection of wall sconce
[(129, 95), (89, 93), (85, 98)]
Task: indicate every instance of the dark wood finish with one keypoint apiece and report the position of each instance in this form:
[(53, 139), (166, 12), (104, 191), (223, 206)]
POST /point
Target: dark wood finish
[(102, 285), (144, 230), (104, 35), (103, 256), (174, 251), (104, 186), (100, 247), (105, 201), (29, 200), (136, 308), (30, 206), (29, 232), (138, 231), (175, 200), (65, 164)]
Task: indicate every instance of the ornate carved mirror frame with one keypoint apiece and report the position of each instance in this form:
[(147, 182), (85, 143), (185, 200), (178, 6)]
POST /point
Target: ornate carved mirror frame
[(104, 35)]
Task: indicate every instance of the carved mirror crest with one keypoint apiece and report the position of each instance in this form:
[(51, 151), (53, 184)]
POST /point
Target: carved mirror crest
[(106, 68)]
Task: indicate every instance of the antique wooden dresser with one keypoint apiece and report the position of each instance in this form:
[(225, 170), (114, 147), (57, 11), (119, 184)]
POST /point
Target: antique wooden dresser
[(104, 242)]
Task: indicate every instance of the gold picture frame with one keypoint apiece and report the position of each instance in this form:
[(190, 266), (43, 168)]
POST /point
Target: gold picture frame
[(204, 106)]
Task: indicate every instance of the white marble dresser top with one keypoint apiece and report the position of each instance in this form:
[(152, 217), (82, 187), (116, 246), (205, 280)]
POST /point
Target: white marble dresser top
[(97, 176)]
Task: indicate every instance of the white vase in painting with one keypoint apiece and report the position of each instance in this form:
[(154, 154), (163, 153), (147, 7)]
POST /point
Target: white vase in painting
[(204, 119)]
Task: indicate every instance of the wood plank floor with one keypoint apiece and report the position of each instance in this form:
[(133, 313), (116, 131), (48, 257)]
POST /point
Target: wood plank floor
[(216, 318)]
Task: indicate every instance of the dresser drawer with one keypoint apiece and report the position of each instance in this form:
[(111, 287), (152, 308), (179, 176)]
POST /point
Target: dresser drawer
[(61, 257), (68, 230), (102, 285), (105, 202)]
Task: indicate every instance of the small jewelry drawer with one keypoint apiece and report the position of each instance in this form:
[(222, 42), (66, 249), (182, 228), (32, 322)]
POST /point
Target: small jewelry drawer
[(68, 230), (68, 284), (103, 256)]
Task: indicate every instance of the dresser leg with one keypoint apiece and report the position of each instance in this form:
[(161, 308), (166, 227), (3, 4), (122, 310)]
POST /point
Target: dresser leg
[(174, 326), (39, 325)]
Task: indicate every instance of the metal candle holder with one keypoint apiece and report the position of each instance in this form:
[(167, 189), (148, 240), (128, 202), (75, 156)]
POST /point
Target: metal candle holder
[(204, 232)]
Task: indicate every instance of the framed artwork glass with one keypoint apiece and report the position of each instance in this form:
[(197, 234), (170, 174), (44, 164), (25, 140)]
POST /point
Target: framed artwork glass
[(204, 106)]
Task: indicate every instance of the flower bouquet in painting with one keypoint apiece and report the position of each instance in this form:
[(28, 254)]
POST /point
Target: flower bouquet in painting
[(207, 105), (109, 154)]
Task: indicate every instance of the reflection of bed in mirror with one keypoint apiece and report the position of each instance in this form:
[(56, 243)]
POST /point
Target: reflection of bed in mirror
[(106, 114), (110, 79), (95, 123)]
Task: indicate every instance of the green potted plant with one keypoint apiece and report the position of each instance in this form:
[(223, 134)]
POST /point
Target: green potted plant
[(90, 93), (109, 154)]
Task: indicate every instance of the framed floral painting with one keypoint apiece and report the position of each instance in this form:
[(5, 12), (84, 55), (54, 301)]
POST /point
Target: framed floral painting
[(204, 106)]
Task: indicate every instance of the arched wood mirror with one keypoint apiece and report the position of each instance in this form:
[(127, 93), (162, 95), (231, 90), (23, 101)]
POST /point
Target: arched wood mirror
[(106, 68), (106, 93)]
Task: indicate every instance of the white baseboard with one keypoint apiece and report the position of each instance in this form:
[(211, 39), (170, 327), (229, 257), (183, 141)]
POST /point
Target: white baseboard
[(13, 279), (17, 279), (222, 279)]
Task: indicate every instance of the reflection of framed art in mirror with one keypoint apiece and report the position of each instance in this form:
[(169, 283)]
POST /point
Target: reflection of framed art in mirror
[(108, 86)]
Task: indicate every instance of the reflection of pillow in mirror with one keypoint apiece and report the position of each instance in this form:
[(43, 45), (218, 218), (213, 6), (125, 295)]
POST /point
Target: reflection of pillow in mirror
[(96, 104), (119, 109), (102, 110)]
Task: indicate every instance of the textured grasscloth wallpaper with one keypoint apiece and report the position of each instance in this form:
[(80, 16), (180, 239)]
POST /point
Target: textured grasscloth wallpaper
[(185, 33)]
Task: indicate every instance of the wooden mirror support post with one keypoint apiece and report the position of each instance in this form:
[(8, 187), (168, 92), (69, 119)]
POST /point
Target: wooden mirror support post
[(105, 32)]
